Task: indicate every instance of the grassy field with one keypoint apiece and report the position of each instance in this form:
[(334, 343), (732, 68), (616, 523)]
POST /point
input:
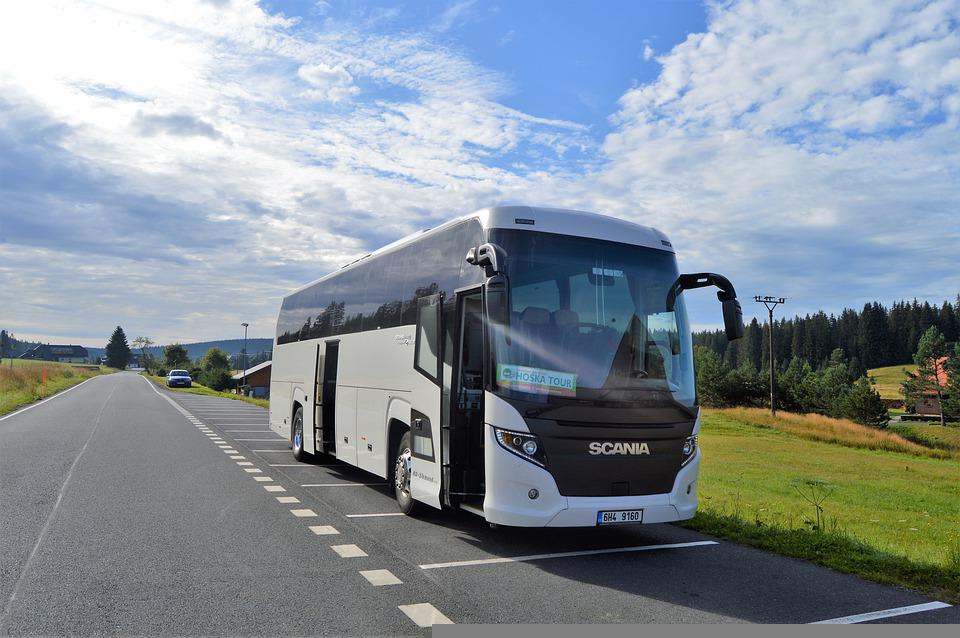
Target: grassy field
[(22, 382), (892, 516), (933, 436), (204, 390), (888, 379)]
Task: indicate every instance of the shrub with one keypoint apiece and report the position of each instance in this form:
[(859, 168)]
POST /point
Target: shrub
[(216, 379)]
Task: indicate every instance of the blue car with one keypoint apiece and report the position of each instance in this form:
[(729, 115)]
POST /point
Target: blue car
[(179, 378)]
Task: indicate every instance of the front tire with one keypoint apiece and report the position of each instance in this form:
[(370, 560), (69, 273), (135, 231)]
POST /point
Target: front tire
[(296, 438), (402, 470)]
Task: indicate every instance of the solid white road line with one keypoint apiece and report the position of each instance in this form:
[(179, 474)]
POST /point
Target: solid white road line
[(884, 613), (50, 398), (303, 513), (425, 615), (339, 484), (323, 530), (588, 552), (288, 499), (375, 515), (348, 551), (381, 577), (273, 488)]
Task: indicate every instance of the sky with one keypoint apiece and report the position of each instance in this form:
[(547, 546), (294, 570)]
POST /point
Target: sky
[(177, 167)]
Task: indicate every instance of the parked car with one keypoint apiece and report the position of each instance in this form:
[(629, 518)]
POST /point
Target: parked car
[(179, 378)]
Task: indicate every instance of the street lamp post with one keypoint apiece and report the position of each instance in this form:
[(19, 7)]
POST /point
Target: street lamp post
[(244, 382)]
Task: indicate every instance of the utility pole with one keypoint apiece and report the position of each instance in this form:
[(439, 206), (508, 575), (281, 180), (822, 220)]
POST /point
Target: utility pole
[(771, 303), (244, 382)]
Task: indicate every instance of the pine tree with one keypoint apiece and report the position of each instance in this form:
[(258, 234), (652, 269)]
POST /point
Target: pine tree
[(931, 351), (951, 403), (118, 351), (864, 405)]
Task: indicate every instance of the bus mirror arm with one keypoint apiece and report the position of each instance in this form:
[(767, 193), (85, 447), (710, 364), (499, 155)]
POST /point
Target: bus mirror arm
[(490, 257), (732, 314)]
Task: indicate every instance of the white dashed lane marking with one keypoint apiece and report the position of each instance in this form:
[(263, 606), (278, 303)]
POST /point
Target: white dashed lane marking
[(588, 552), (252, 470), (381, 577), (237, 456), (303, 513), (288, 499), (263, 479), (348, 551), (277, 440), (244, 463), (323, 530), (425, 615), (273, 488), (375, 515), (246, 430)]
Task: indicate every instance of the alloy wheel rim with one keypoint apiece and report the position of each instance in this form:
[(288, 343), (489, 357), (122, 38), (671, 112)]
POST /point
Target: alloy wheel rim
[(402, 473)]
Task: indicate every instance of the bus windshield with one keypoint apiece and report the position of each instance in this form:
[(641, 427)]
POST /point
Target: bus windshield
[(589, 322)]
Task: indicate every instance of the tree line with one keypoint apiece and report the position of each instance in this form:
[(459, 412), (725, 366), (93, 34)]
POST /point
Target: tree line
[(874, 337)]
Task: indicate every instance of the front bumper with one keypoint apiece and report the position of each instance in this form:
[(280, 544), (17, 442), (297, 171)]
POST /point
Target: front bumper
[(509, 480)]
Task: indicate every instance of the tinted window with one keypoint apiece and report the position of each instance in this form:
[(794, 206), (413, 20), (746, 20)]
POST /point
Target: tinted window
[(382, 292)]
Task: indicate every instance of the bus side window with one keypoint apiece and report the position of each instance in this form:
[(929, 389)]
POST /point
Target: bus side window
[(427, 355)]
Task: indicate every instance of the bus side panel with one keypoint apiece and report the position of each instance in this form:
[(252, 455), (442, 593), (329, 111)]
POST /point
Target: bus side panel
[(371, 430), (346, 427), (280, 402)]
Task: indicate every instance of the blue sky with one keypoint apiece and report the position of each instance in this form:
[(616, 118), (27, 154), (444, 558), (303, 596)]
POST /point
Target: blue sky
[(176, 167)]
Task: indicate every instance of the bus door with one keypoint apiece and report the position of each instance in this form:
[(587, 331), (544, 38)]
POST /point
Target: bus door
[(464, 445), (325, 394), (425, 476)]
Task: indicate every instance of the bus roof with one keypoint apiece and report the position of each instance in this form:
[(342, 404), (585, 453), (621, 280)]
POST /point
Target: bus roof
[(561, 221)]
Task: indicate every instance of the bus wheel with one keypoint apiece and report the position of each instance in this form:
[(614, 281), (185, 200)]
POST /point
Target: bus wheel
[(296, 437), (401, 476)]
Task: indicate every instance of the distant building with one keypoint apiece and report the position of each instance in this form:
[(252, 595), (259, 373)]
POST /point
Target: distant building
[(62, 354), (927, 403), (258, 379)]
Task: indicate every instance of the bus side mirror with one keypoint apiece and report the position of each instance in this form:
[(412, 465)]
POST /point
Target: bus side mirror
[(732, 318), (732, 315)]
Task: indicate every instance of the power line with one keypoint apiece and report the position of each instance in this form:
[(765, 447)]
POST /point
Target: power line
[(771, 303)]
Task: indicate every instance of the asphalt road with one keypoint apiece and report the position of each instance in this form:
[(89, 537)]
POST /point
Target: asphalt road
[(131, 509)]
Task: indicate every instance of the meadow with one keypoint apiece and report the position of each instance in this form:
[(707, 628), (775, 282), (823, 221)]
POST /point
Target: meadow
[(887, 380), (21, 381), (891, 508)]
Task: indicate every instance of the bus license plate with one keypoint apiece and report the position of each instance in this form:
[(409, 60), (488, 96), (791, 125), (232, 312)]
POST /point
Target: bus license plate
[(619, 516)]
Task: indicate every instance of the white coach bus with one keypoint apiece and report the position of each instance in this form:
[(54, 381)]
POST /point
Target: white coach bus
[(530, 365)]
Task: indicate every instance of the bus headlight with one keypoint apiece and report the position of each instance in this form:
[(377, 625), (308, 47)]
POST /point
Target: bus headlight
[(689, 449), (526, 446)]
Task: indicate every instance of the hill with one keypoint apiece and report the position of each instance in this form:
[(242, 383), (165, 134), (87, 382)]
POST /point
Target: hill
[(230, 346), (889, 379)]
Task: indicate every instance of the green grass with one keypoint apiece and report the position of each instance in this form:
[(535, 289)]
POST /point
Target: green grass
[(888, 379), (22, 382), (204, 390), (893, 517), (933, 436)]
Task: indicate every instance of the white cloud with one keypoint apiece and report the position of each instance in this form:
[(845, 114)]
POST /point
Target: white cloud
[(178, 166), (331, 83)]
